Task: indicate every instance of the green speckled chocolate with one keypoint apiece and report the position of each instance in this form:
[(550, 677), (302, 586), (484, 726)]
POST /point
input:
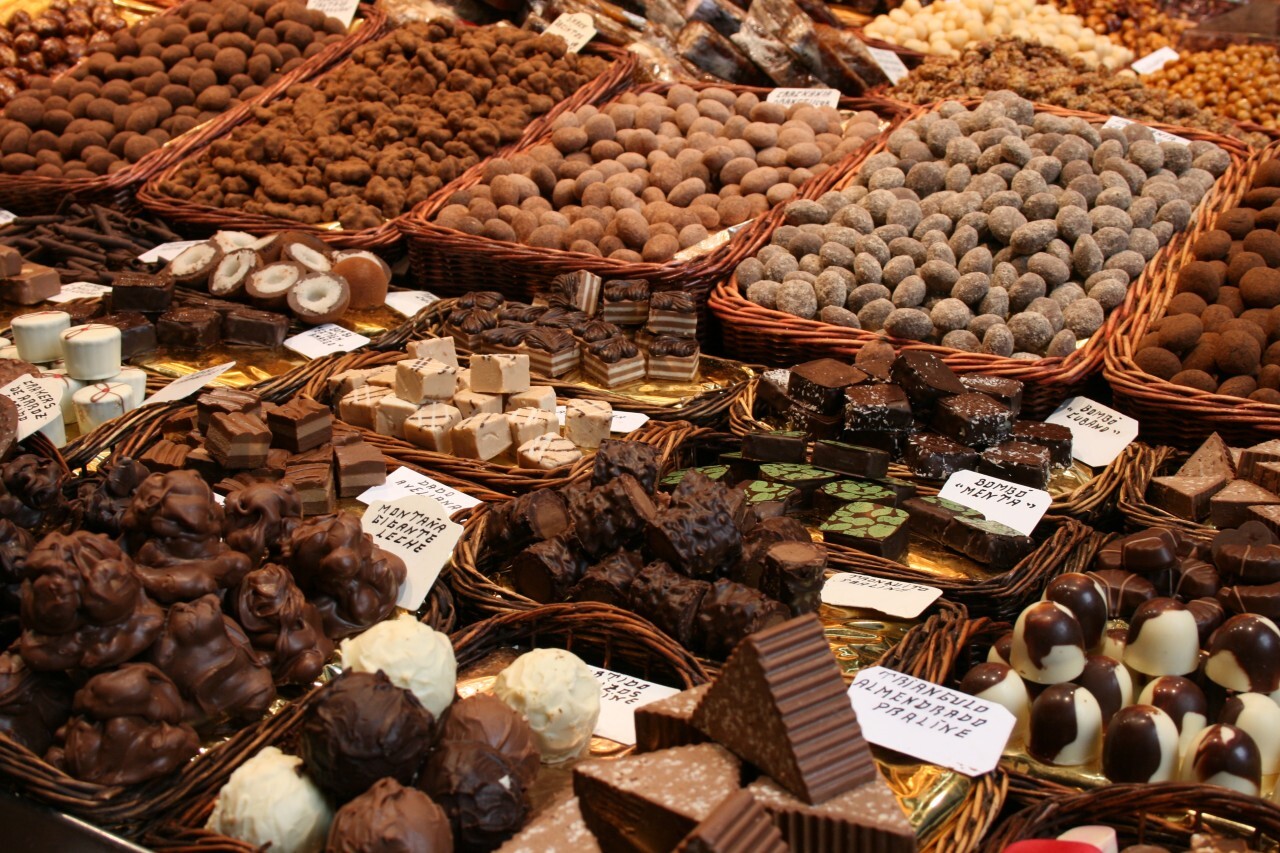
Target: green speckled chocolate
[(902, 488), (931, 516), (712, 472), (873, 528), (761, 491), (791, 472), (831, 496)]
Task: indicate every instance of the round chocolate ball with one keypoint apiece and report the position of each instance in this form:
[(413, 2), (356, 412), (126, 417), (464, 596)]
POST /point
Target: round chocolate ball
[(1163, 639), (1087, 601), (1224, 755), (390, 817), (1141, 745), (487, 719), (1048, 645), (1244, 655), (480, 791), (1066, 726)]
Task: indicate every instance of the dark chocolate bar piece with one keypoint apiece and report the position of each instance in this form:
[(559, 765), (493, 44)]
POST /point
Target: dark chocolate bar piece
[(814, 423), (615, 458), (668, 600), (729, 612), (300, 425), (876, 408), (903, 489), (1017, 462), (780, 446), (712, 472), (137, 333), (1055, 437), (255, 328), (892, 442), (547, 570), (805, 478), (925, 378), (932, 515), (936, 457), (1267, 451), (764, 491), (772, 389), (756, 542), (853, 459), (140, 291), (609, 581), (1006, 391), (794, 573), (189, 328), (874, 528), (996, 545), (973, 419), (831, 496), (737, 468), (820, 384)]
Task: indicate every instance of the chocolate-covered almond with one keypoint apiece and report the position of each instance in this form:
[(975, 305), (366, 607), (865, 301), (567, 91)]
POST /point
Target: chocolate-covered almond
[(1087, 601), (1141, 745), (1244, 655), (1224, 755)]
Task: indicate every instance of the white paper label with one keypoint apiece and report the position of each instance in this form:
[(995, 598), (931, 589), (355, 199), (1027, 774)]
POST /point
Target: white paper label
[(1011, 504), (80, 290), (325, 340), (38, 402), (1098, 434), (893, 598), (1154, 61), (930, 722), (343, 10), (167, 251), (188, 385), (622, 424), (1117, 123), (407, 303), (576, 29), (817, 97), (402, 483), (416, 529), (890, 63), (620, 695), (7, 216)]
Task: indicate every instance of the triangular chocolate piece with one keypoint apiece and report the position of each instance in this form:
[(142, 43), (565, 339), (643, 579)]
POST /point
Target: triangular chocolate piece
[(867, 819), (1268, 514), (1212, 459), (738, 825), (650, 802), (558, 828), (780, 703), (1184, 496), (1267, 451), (1230, 507), (667, 722)]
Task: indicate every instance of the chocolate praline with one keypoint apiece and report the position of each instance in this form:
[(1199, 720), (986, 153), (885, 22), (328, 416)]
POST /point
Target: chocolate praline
[(1066, 726), (1163, 639), (390, 818), (486, 719), (1224, 755), (1085, 598), (997, 682), (480, 791), (1244, 655), (1109, 682), (1141, 745), (1048, 645)]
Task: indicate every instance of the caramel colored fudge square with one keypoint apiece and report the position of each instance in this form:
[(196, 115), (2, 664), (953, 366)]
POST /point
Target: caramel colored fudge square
[(431, 427), (529, 423), (482, 436), (441, 349), (391, 414), (472, 403), (537, 397), (359, 407), (420, 380), (500, 373), (587, 422)]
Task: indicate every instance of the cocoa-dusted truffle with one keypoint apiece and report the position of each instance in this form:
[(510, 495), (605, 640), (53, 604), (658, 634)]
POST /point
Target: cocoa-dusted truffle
[(32, 704), (103, 502), (363, 728), (211, 660), (259, 519), (284, 628), (480, 791), (351, 581), (128, 728), (486, 719), (84, 605), (390, 817), (1158, 362)]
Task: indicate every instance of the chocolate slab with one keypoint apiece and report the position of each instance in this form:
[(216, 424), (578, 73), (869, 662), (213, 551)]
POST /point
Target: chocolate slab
[(1006, 391), (813, 423), (1183, 496), (820, 384), (988, 542), (925, 378), (140, 291), (794, 573), (831, 496), (137, 333), (189, 328), (852, 459), (779, 446), (937, 457), (932, 515), (1017, 462), (252, 327), (973, 419), (1230, 506), (738, 825), (1055, 437), (876, 408)]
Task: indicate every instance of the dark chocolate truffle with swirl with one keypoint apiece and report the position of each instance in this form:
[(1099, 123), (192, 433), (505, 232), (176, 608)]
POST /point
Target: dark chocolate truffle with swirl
[(508, 336), (549, 340), (84, 605), (210, 659), (363, 728), (485, 718), (672, 300), (665, 345), (282, 625), (128, 728), (480, 791), (32, 494), (103, 502), (259, 519), (32, 704), (390, 818), (351, 581), (613, 350), (472, 321), (596, 330)]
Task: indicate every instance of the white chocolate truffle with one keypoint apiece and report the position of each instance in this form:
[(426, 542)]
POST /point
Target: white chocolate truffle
[(558, 696), (998, 683), (1244, 654), (1141, 745), (1226, 756), (100, 402), (1258, 716), (92, 351), (1048, 645), (38, 335), (269, 801), (414, 656), (1163, 639), (1066, 726)]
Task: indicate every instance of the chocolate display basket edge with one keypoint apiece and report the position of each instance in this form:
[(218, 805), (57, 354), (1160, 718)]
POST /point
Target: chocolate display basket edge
[(1138, 513), (1171, 413), (1090, 502), (767, 336), (451, 263), (384, 238), (32, 194)]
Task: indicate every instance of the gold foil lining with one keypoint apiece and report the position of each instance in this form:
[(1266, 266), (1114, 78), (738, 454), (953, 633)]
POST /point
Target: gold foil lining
[(714, 374)]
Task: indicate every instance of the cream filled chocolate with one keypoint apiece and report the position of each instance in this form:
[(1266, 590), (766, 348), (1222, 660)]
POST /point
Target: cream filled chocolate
[(1224, 755), (1259, 717), (1087, 601), (1163, 639), (1048, 645), (1066, 726), (1244, 654), (1184, 702), (997, 682), (1109, 682), (1141, 745)]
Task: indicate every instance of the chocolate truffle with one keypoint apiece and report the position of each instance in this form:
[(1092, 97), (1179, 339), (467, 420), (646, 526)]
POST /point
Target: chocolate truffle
[(1244, 655), (559, 696), (32, 493), (1162, 639), (1109, 682), (998, 683), (1224, 755), (1184, 702), (1087, 601), (1141, 745), (390, 818), (475, 784), (1259, 717), (1066, 726), (413, 655), (1125, 590), (486, 719), (269, 800), (1048, 645), (284, 628), (362, 728)]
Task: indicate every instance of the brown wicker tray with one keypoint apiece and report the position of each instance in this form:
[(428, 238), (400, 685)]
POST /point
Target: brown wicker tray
[(31, 194), (767, 336), (1133, 506), (450, 263), (1089, 502), (384, 238), (1173, 414)]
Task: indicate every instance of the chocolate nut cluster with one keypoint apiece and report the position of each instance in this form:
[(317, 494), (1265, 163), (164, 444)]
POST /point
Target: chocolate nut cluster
[(52, 41), (1221, 331), (155, 81), (992, 229), (651, 174), (368, 141)]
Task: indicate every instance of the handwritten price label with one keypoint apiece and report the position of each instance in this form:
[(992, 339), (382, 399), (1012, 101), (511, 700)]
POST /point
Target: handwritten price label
[(343, 10), (576, 29), (418, 531), (407, 303), (1098, 434), (38, 402), (167, 251), (403, 483), (1117, 123), (893, 598), (1014, 505), (1154, 61), (179, 389), (817, 97), (325, 340), (620, 695), (80, 290), (890, 63)]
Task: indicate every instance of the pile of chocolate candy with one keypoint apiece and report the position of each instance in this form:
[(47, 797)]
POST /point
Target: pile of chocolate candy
[(1225, 486)]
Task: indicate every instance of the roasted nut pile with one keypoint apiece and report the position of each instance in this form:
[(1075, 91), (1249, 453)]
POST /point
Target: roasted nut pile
[(1048, 76), (989, 230), (650, 175), (1221, 331), (1241, 81), (1140, 25), (408, 113), (52, 41), (951, 26), (155, 81)]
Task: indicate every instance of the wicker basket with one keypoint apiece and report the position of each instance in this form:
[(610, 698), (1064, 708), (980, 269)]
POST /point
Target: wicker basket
[(1133, 505), (451, 263), (767, 336), (203, 219), (1165, 814), (1173, 414), (30, 194)]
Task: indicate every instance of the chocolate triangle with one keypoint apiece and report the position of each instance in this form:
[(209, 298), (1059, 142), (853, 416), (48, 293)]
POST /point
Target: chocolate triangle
[(667, 722), (1185, 496), (738, 825), (867, 819), (1267, 451), (1212, 459), (558, 828), (651, 802), (1230, 507), (780, 703)]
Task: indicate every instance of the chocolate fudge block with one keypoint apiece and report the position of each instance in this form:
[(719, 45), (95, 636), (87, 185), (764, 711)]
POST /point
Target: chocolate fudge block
[(925, 378), (189, 328), (711, 472), (164, 456), (813, 423), (936, 457), (772, 389), (892, 442), (238, 440), (1185, 497), (988, 542), (903, 489), (876, 408), (749, 569), (669, 722), (729, 612), (140, 291), (738, 468), (252, 327), (137, 333), (867, 818), (31, 285), (738, 825), (1055, 437), (852, 459), (1267, 451), (225, 400), (547, 570), (780, 446), (668, 600), (1268, 514), (805, 478), (820, 384), (780, 704), (609, 581), (874, 528), (300, 425), (794, 573), (1017, 462), (1005, 391), (360, 467), (831, 496), (314, 483), (973, 419), (1229, 507), (932, 515), (1211, 459)]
